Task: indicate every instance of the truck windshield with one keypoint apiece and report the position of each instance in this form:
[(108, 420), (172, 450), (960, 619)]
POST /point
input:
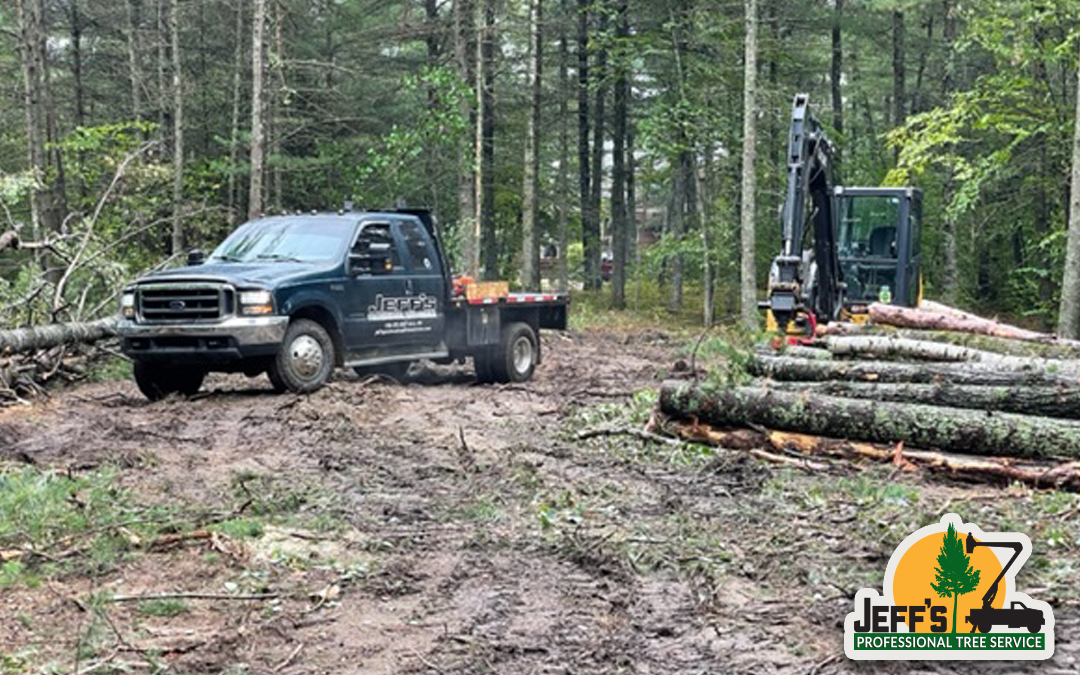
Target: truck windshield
[(300, 239)]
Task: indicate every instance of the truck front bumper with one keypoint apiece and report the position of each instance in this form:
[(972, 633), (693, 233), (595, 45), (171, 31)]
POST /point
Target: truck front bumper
[(218, 344)]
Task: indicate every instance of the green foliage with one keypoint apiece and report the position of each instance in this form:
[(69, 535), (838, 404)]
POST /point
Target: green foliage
[(48, 512), (241, 528), (954, 575)]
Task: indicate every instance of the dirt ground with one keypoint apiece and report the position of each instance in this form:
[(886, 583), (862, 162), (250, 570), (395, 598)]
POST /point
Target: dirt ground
[(440, 526)]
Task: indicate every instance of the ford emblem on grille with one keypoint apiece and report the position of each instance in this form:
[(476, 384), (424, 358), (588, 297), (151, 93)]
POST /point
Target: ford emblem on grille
[(177, 305)]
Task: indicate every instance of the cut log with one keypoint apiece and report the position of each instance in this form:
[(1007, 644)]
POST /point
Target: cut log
[(925, 426), (893, 347), (1063, 402), (812, 370), (799, 351), (54, 335), (906, 317), (981, 469)]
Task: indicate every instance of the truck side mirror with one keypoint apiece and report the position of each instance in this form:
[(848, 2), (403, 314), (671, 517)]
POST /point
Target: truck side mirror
[(196, 257)]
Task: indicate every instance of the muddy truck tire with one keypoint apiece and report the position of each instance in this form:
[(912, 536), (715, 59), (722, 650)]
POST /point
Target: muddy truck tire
[(156, 382), (305, 360), (516, 356)]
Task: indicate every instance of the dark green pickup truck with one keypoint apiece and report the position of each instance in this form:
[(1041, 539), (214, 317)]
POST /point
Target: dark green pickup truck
[(297, 296)]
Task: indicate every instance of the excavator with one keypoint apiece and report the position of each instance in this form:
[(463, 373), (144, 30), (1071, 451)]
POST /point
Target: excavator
[(842, 247), (986, 617)]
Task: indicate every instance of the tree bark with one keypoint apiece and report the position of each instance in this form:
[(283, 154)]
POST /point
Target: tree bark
[(1069, 312), (590, 226), (836, 75), (485, 138), (892, 347), (898, 67), (906, 317), (464, 55), (564, 149), (178, 130), (923, 426), (619, 221), (1046, 401), (530, 270), (234, 127), (134, 69), (258, 105), (814, 370), (599, 129), (748, 219), (54, 335)]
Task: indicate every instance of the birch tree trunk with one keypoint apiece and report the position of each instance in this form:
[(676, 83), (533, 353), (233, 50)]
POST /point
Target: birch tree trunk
[(749, 178), (258, 103), (1069, 314), (530, 269)]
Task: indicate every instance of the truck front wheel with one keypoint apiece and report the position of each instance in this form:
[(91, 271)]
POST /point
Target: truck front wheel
[(156, 382), (305, 360), (515, 359)]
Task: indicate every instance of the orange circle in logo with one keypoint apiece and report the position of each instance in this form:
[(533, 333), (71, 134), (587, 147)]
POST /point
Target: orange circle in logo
[(916, 571)]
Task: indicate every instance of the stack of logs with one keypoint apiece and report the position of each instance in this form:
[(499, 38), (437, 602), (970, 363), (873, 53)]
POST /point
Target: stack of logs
[(33, 358), (923, 387)]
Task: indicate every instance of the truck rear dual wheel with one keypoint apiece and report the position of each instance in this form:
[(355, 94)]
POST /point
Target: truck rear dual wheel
[(514, 359), (156, 382), (306, 358)]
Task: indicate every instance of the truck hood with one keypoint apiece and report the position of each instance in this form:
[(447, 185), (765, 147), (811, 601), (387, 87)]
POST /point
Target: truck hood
[(263, 274)]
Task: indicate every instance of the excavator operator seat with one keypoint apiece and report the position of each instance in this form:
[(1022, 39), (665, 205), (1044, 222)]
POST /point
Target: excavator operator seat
[(883, 242)]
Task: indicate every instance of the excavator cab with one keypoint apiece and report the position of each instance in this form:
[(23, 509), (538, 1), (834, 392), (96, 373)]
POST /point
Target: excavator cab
[(879, 250)]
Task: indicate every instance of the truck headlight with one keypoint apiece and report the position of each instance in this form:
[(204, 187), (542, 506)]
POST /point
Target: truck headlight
[(256, 303), (127, 305)]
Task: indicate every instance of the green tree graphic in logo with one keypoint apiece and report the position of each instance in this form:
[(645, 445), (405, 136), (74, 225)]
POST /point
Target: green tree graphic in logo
[(955, 576)]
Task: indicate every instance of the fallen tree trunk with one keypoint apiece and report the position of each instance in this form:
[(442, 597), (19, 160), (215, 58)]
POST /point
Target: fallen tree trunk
[(53, 335), (1063, 402), (892, 347), (1054, 350), (925, 426), (881, 345), (813, 370), (989, 469), (907, 317)]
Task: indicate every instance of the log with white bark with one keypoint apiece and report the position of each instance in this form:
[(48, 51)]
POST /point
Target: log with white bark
[(980, 469), (812, 370), (54, 335), (893, 347), (1062, 402), (948, 429)]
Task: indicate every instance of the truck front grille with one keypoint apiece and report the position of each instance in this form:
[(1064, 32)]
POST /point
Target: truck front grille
[(183, 303)]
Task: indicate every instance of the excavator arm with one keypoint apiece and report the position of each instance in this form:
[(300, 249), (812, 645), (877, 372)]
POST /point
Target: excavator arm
[(799, 283)]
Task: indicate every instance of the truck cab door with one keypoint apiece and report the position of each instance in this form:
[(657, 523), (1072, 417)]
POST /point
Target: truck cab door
[(375, 279), (425, 286)]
